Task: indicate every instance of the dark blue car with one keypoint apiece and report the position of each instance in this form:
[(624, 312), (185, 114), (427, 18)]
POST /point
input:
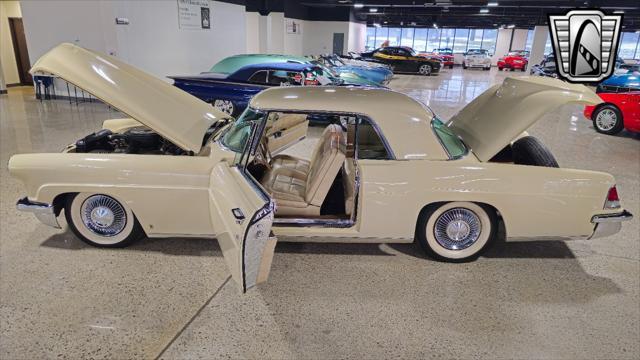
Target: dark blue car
[(231, 93)]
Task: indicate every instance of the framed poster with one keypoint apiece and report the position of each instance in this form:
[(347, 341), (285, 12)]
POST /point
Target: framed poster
[(294, 26), (194, 14)]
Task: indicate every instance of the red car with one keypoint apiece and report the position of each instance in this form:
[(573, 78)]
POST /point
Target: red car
[(445, 55), (514, 60), (619, 111)]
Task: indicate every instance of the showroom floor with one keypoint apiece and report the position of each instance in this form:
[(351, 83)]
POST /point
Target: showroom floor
[(172, 298)]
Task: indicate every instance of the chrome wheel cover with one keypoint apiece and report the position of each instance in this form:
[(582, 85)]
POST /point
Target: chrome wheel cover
[(457, 229), (103, 215), (425, 69), (606, 120), (226, 106)]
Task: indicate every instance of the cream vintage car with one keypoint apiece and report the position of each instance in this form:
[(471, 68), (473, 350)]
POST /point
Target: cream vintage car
[(384, 168)]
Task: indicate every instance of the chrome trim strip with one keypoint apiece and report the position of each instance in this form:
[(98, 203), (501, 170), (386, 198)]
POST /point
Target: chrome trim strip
[(313, 222), (43, 212), (608, 218)]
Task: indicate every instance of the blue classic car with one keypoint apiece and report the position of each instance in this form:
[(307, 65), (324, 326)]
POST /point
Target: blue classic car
[(231, 93), (378, 74)]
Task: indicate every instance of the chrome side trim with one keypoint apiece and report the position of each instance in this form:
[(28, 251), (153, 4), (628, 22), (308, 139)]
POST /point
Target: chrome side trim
[(301, 222), (617, 217), (43, 212)]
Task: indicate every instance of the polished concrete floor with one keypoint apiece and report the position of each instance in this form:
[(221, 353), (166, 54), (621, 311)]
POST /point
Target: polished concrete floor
[(172, 298)]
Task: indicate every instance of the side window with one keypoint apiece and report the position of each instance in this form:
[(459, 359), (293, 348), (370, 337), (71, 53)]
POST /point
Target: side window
[(259, 77), (282, 78), (369, 143)]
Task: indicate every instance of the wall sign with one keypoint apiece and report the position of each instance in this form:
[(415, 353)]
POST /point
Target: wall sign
[(194, 14), (293, 26)]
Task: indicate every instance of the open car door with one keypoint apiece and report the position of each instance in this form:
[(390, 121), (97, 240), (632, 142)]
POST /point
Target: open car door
[(242, 215)]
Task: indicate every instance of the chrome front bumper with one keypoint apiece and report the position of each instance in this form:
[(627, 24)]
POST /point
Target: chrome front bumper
[(44, 212), (609, 224)]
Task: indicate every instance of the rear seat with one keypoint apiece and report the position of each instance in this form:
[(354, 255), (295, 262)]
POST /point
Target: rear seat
[(299, 187)]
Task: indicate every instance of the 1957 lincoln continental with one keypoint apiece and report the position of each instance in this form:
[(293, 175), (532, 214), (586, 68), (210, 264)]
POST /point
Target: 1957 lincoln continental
[(385, 169)]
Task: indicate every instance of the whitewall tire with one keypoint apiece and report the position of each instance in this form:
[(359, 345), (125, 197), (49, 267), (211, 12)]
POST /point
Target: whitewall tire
[(456, 231), (101, 220)]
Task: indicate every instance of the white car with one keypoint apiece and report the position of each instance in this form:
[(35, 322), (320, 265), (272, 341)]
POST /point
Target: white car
[(478, 58)]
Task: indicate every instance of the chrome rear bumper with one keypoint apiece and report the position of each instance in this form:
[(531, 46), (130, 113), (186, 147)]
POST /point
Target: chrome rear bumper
[(44, 212), (609, 224)]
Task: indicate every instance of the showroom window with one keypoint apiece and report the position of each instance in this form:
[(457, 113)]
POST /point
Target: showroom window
[(371, 38), (407, 37), (529, 43), (629, 46), (489, 40), (461, 39), (429, 39), (394, 36), (475, 39), (433, 39), (420, 39)]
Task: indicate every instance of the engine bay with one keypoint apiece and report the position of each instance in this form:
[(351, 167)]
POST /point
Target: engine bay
[(137, 140)]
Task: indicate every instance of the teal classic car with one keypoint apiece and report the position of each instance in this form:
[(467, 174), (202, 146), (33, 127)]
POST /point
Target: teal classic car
[(234, 63)]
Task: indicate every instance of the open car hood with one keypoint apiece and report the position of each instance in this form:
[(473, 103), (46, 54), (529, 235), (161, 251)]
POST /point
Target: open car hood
[(500, 114), (181, 118)]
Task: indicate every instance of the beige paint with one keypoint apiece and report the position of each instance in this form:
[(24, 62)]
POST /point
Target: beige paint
[(171, 112), (9, 67), (498, 115), (194, 195)]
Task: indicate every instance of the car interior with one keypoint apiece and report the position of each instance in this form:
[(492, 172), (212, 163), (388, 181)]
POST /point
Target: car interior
[(323, 185)]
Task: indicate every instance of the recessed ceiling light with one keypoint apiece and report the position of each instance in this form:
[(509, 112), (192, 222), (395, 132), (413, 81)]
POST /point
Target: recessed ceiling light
[(386, 22), (492, 3), (358, 5), (376, 25), (484, 11), (373, 10), (619, 12), (435, 25), (511, 26)]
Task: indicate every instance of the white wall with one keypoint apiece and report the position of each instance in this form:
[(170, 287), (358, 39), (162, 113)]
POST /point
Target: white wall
[(252, 30), (357, 37), (9, 67), (275, 33), (318, 37), (151, 41), (294, 43)]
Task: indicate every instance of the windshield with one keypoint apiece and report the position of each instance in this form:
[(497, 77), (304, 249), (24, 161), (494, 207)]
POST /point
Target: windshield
[(449, 140), (477, 52), (237, 136)]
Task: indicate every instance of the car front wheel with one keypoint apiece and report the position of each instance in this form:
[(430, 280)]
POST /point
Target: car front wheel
[(424, 69), (607, 119), (456, 231), (102, 221)]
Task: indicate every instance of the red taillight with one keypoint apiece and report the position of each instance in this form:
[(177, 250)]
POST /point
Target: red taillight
[(613, 201)]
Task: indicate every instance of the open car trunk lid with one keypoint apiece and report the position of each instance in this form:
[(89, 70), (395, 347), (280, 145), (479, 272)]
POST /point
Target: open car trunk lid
[(496, 117), (171, 112)]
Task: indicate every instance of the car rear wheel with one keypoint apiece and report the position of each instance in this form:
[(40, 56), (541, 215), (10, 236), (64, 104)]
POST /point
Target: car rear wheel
[(451, 66), (101, 220), (424, 69), (464, 66), (226, 106), (456, 231), (607, 119)]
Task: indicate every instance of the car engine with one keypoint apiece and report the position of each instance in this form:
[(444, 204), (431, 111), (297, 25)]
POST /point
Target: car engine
[(138, 140)]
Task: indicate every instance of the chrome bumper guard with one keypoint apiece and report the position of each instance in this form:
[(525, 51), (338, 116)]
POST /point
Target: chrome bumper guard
[(44, 212), (609, 224)]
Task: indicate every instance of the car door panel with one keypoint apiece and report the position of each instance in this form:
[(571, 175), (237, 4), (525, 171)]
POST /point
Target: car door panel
[(286, 130), (242, 216)]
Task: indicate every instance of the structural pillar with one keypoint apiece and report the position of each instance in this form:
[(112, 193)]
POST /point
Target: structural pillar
[(540, 35)]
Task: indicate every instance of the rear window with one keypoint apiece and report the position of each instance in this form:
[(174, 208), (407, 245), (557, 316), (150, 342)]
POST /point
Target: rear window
[(449, 140)]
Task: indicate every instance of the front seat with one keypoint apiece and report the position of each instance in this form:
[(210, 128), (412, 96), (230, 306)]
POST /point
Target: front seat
[(301, 192)]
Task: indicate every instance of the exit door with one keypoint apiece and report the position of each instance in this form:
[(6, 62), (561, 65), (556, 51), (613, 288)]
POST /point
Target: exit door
[(338, 43), (20, 50)]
